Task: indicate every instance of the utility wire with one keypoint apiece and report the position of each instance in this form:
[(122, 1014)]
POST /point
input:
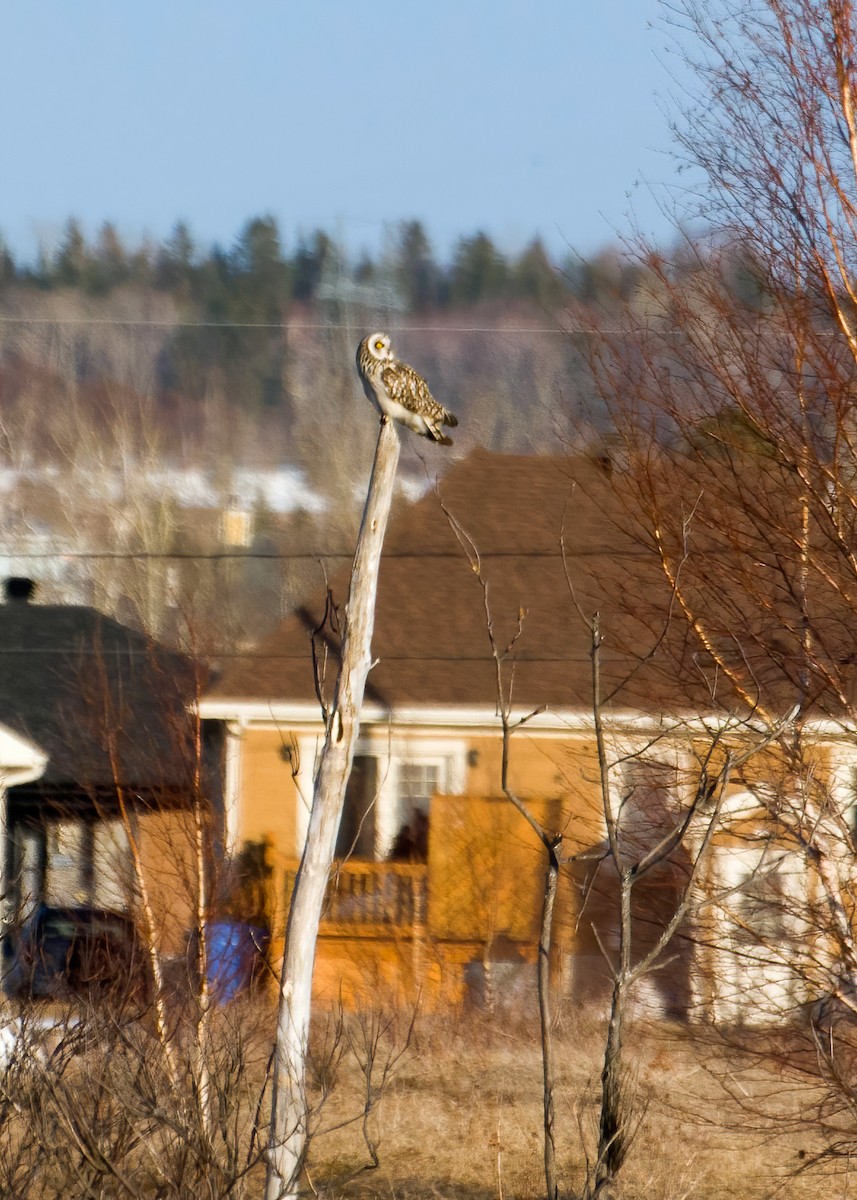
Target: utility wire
[(298, 326), (146, 652), (304, 555)]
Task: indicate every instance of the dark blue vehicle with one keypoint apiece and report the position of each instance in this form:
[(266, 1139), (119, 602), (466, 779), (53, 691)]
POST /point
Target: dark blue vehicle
[(85, 953)]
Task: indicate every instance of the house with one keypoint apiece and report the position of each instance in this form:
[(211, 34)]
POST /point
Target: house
[(96, 761), (438, 881)]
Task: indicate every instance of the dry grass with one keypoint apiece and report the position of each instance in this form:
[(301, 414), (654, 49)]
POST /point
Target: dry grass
[(462, 1115), (459, 1114)]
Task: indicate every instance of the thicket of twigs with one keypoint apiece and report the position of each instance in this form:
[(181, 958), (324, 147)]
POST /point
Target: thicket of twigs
[(401, 1107)]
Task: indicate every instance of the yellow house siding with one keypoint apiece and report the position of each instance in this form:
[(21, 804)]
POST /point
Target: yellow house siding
[(167, 861), (486, 869), (544, 768), (269, 797)]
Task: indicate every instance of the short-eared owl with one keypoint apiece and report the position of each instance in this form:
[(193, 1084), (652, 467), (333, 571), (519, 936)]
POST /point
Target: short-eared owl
[(397, 391)]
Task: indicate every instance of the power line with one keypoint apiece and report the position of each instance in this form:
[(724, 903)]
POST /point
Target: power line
[(153, 654), (306, 555), (298, 326)]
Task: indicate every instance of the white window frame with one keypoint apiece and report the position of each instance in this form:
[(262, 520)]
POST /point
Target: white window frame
[(757, 984), (309, 748), (843, 788), (448, 754), (657, 752)]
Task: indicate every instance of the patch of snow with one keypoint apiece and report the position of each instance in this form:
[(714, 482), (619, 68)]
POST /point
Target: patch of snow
[(190, 487), (31, 1037), (282, 489), (414, 487)]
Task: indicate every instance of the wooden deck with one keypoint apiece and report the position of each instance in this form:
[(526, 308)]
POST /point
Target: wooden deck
[(370, 898)]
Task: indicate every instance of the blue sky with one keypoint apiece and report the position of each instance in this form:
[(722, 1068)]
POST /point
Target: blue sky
[(514, 116)]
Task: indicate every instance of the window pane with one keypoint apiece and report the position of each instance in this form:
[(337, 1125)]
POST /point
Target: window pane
[(111, 862), (65, 868), (417, 782)]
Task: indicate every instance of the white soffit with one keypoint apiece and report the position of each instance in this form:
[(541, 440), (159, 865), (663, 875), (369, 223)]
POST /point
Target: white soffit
[(559, 722), (21, 761)]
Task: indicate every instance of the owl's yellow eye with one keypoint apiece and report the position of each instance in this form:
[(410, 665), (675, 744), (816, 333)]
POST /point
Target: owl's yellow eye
[(379, 345)]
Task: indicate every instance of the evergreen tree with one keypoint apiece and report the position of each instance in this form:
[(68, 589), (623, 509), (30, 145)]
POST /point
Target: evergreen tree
[(72, 264), (599, 280), (535, 278), (417, 273), (258, 251), (175, 260), (8, 268), (258, 267), (109, 264), (141, 263), (366, 271), (260, 302), (479, 271), (310, 263), (243, 298)]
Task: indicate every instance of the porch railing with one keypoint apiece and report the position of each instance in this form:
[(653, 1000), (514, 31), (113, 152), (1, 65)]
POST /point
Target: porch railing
[(386, 894)]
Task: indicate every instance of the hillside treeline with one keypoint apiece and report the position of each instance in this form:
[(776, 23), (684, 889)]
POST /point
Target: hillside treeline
[(247, 352), (245, 355), (120, 366), (257, 275), (209, 327)]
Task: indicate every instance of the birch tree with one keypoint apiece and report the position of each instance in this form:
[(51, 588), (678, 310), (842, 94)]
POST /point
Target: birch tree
[(730, 378), (288, 1131)]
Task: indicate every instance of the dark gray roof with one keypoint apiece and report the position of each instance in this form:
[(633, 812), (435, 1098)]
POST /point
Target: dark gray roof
[(103, 701)]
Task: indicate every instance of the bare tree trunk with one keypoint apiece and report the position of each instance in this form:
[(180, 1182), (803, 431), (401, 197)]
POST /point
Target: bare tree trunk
[(552, 844), (130, 824), (288, 1132), (546, 1016), (696, 827), (615, 1111), (613, 1115), (203, 1013)]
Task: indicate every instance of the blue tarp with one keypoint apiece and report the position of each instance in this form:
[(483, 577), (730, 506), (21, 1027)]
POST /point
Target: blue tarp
[(235, 951)]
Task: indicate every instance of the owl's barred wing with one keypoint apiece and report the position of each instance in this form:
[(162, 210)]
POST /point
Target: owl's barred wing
[(399, 392), (409, 389)]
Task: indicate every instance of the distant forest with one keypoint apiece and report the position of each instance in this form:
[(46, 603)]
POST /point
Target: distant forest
[(121, 366), (256, 279), (246, 354)]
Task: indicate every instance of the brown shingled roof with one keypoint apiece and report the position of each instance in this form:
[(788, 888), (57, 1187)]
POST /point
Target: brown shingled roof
[(430, 626)]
